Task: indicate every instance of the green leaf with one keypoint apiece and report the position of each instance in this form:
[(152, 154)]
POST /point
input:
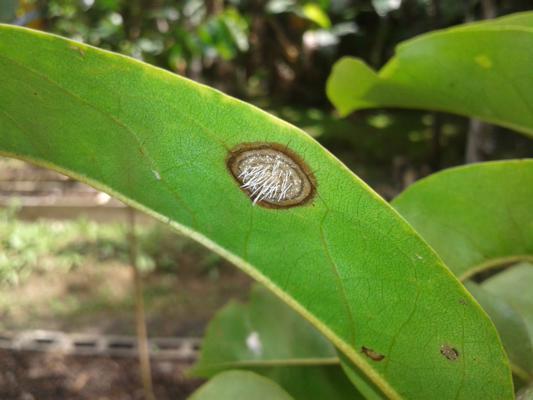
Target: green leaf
[(523, 19), (236, 385), (476, 217), (267, 337), (345, 260), (514, 285), (481, 70), (314, 13), (512, 329)]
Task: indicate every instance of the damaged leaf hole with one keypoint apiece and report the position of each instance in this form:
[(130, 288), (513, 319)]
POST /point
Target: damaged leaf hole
[(373, 355), (449, 352), (271, 175)]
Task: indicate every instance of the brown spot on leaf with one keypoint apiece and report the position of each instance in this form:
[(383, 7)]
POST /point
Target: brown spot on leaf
[(271, 175), (449, 352), (374, 355)]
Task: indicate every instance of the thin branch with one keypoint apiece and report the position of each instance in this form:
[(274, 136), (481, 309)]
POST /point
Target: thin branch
[(142, 336)]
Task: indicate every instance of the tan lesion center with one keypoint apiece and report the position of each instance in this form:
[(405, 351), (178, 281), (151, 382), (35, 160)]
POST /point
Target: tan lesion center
[(270, 176)]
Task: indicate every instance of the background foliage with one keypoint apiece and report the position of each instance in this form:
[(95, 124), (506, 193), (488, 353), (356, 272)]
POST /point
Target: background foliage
[(278, 54)]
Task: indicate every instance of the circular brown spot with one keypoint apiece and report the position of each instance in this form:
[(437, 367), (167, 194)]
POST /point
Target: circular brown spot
[(374, 355), (271, 175), (449, 352)]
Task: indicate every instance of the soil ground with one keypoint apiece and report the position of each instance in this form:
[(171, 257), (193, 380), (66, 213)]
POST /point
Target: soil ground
[(98, 299), (42, 376)]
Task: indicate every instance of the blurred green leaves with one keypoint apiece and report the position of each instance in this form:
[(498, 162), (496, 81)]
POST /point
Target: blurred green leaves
[(267, 337), (33, 247), (315, 13), (224, 35), (177, 32), (236, 385), (8, 10)]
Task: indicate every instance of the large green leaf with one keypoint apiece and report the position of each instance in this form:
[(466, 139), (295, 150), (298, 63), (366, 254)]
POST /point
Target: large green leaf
[(240, 385), (267, 337), (477, 216), (345, 259), (481, 70)]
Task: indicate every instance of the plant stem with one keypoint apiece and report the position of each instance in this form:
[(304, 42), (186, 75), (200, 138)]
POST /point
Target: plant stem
[(142, 336)]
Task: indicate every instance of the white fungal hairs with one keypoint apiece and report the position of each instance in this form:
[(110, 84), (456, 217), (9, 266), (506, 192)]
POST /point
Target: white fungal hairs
[(271, 176), (268, 178)]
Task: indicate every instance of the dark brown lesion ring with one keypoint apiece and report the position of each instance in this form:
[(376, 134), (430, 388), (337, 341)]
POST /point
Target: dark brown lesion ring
[(243, 151)]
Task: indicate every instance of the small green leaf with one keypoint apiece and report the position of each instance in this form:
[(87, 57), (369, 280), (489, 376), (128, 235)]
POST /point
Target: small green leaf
[(237, 385), (512, 329), (515, 286), (314, 13), (476, 217), (267, 337), (481, 70), (264, 331)]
